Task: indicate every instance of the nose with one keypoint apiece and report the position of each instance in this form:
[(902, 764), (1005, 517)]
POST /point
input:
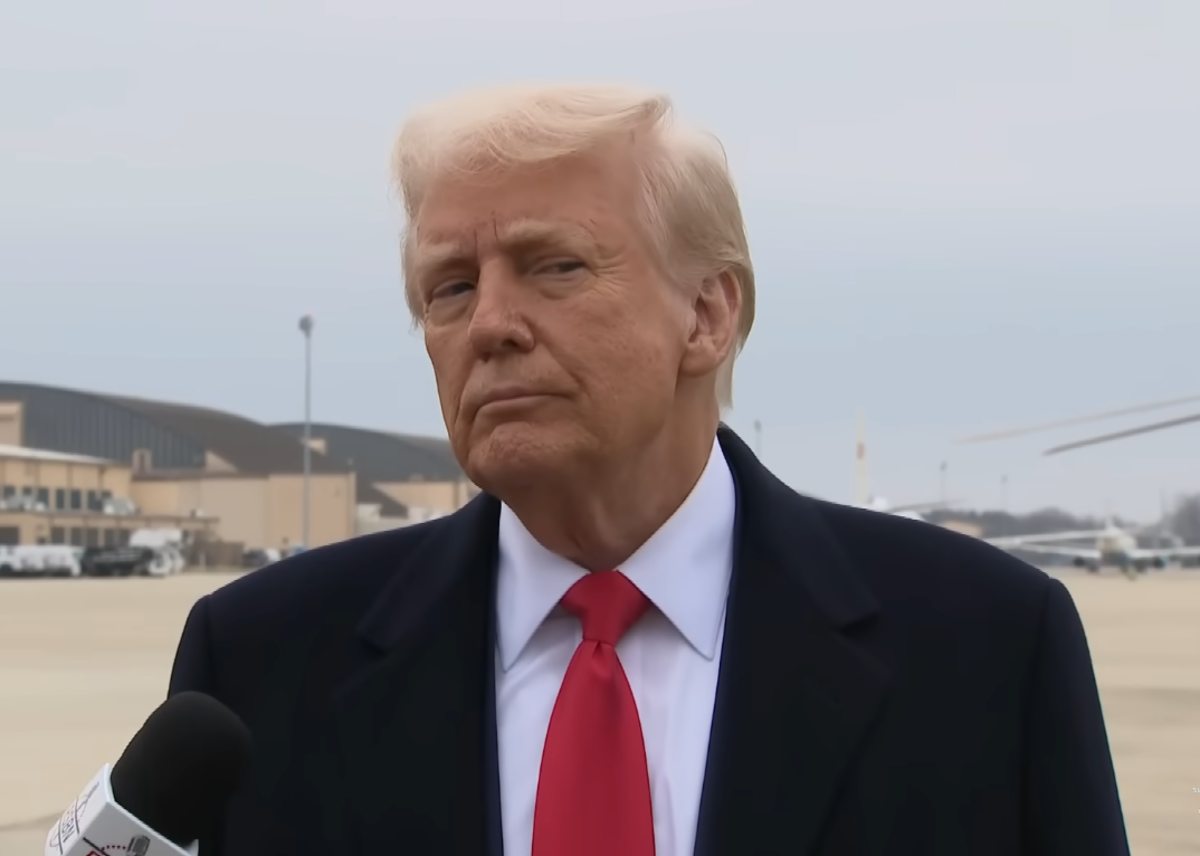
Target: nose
[(498, 324)]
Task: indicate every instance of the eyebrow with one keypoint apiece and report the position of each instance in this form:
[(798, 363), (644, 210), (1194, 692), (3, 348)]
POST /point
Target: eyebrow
[(518, 235)]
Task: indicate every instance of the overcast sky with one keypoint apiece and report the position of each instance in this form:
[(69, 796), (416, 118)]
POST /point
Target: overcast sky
[(964, 215)]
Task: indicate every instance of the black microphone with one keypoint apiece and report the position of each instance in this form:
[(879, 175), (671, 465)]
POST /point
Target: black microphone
[(168, 787)]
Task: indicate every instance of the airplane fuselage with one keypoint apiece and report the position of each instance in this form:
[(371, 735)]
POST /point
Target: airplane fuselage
[(1122, 559)]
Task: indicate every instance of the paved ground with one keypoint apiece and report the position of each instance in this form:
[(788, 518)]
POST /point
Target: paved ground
[(82, 662)]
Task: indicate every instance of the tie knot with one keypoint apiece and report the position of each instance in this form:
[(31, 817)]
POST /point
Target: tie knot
[(607, 604)]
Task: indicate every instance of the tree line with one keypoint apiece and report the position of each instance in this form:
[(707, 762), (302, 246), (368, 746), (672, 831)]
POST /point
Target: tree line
[(1183, 521)]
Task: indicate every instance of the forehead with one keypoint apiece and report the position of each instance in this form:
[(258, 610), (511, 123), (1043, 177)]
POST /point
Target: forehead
[(583, 199)]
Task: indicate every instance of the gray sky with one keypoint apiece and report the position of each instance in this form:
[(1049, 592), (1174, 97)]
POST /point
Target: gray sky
[(964, 215)]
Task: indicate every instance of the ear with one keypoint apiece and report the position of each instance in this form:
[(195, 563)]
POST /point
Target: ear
[(716, 308)]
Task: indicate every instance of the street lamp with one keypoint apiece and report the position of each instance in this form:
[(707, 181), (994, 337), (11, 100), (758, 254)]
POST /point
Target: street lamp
[(306, 327)]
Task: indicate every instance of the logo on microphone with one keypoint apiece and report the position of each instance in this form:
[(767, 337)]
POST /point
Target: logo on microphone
[(67, 826), (137, 846)]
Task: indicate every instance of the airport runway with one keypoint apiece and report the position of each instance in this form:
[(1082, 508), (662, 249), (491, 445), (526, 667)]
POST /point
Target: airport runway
[(82, 662)]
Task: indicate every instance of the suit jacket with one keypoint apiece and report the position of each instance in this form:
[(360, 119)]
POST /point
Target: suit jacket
[(886, 687)]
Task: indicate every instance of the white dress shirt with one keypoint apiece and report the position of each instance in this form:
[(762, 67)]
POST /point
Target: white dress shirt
[(671, 656)]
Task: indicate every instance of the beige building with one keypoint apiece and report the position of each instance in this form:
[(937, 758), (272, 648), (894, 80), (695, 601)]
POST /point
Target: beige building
[(257, 510), (236, 480), (420, 473), (964, 527), (184, 463), (57, 498)]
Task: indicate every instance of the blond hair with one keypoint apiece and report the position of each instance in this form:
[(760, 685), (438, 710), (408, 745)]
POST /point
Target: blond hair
[(690, 207)]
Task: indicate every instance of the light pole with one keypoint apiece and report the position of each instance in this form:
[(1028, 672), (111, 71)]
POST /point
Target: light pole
[(1004, 502), (306, 327)]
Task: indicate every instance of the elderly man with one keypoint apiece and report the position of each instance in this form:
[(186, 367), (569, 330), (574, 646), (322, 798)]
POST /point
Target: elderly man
[(636, 640)]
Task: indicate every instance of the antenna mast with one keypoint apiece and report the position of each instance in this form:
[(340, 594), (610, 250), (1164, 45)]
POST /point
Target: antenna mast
[(862, 485)]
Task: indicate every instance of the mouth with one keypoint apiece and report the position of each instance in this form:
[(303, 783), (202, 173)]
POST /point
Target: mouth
[(512, 400)]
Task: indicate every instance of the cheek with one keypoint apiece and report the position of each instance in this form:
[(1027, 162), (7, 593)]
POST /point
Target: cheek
[(632, 353), (446, 358)]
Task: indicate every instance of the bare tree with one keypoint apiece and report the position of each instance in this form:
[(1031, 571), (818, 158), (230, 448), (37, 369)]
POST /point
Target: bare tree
[(1184, 521)]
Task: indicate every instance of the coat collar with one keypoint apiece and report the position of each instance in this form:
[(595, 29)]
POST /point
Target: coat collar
[(797, 692)]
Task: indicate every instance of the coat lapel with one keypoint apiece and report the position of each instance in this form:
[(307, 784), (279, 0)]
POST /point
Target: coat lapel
[(413, 722), (796, 695)]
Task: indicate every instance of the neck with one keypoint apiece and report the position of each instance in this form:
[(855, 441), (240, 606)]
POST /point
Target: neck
[(599, 520)]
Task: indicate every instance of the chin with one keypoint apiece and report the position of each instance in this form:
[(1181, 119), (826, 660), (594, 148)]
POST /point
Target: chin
[(514, 455)]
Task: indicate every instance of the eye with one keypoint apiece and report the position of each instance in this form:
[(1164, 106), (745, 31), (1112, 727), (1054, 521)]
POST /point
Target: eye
[(562, 267), (451, 289)]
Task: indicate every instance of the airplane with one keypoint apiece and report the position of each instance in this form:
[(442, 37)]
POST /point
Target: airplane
[(911, 510), (1114, 546)]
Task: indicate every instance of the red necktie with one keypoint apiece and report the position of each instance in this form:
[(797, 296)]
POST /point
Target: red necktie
[(593, 795)]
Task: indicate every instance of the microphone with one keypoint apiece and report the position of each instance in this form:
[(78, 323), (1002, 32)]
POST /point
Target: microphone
[(169, 785)]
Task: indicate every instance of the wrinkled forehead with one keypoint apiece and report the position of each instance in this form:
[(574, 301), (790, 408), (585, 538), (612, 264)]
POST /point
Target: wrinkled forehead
[(436, 243), (576, 204)]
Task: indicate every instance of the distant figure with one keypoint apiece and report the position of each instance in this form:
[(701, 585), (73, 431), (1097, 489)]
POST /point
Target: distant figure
[(636, 641)]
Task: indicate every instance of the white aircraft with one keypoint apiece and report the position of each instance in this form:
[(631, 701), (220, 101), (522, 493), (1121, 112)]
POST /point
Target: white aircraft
[(912, 510), (1113, 546)]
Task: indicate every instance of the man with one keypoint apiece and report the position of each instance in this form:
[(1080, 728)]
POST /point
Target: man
[(636, 641)]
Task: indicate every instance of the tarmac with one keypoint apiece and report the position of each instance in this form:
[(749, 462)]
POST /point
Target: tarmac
[(83, 662)]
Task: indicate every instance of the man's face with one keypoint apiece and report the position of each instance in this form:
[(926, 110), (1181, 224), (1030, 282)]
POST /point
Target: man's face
[(555, 340)]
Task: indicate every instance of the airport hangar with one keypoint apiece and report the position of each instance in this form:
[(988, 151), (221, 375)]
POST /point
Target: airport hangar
[(88, 468)]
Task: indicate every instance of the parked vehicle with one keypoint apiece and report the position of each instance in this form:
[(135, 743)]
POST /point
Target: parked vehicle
[(40, 560), (255, 558), (122, 562), (57, 560)]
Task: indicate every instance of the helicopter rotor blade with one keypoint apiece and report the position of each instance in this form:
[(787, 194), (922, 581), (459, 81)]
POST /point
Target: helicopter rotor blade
[(1120, 435), (1004, 434)]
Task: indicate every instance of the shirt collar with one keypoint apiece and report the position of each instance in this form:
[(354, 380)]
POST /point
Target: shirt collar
[(684, 568)]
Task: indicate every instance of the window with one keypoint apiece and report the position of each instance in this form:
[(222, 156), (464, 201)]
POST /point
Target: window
[(9, 491), (27, 491), (10, 536), (58, 535), (76, 503), (76, 536), (93, 501), (92, 537), (60, 500), (110, 537), (43, 496)]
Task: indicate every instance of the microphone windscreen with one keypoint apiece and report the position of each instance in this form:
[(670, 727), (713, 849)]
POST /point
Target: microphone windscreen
[(182, 766)]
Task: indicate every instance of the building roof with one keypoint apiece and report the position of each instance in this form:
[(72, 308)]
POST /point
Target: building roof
[(384, 456), (248, 446), (366, 493), (23, 454)]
